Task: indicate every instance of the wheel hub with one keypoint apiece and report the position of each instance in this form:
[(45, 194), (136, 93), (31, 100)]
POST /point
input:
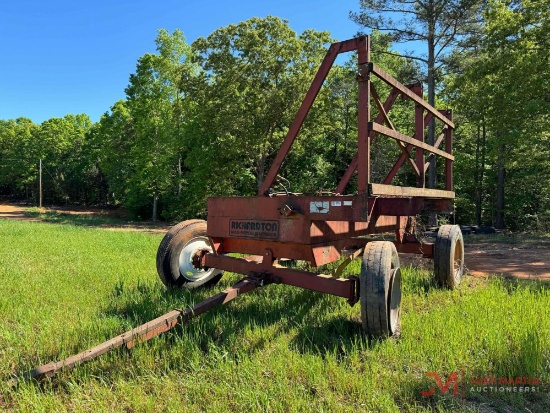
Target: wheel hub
[(190, 259), (394, 299), (197, 259), (457, 262)]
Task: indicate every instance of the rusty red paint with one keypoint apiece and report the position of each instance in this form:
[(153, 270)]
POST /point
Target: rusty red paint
[(319, 226), (425, 249), (363, 116), (419, 135), (449, 149), (341, 287), (387, 78), (402, 158)]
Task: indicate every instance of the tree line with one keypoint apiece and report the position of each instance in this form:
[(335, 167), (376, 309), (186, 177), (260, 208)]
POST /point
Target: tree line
[(207, 118)]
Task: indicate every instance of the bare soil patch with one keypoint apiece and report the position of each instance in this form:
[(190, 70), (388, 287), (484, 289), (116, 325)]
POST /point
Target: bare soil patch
[(12, 211), (524, 259)]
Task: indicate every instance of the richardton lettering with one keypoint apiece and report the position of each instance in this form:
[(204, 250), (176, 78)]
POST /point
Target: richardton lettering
[(254, 228)]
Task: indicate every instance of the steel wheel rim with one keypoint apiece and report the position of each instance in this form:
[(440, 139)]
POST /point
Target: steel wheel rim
[(394, 300), (185, 260), (457, 261)]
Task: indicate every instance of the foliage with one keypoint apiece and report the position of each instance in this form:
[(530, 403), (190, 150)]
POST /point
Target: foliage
[(254, 75), (60, 143), (18, 162), (138, 144), (503, 90), (111, 140)]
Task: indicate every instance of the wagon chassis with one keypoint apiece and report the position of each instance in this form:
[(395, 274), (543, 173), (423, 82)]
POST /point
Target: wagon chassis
[(320, 229)]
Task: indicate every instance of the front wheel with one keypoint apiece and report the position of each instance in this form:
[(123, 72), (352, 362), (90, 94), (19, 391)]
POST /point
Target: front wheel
[(380, 290), (178, 256)]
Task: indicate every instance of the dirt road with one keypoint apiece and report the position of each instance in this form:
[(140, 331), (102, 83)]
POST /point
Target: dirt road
[(522, 259)]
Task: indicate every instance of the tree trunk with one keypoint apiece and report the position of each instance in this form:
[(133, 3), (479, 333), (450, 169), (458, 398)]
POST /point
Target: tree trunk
[(260, 170), (481, 150), (179, 176), (260, 167), (155, 202), (501, 178), (477, 177)]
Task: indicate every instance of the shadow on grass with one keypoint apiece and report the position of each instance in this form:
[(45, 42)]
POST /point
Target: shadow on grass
[(283, 307), (144, 302), (275, 311), (92, 220), (287, 308), (336, 337), (98, 219), (512, 284)]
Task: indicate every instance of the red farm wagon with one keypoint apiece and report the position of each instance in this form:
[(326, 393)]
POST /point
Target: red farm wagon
[(280, 225), (320, 229)]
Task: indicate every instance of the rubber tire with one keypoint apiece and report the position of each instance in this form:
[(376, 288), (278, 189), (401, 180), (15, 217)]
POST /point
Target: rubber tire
[(449, 256), (168, 255), (380, 289)]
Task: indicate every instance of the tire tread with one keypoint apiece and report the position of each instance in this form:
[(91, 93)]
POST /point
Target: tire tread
[(378, 258)]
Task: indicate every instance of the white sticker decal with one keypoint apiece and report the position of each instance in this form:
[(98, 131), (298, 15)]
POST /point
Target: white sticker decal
[(348, 203), (336, 203), (319, 207)]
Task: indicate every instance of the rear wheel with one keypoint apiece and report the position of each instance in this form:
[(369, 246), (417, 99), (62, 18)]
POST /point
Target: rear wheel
[(449, 256), (380, 290), (179, 253)]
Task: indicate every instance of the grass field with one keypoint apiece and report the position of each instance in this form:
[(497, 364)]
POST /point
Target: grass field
[(64, 288)]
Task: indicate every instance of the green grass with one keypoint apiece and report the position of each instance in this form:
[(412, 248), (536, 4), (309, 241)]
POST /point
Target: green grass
[(65, 288)]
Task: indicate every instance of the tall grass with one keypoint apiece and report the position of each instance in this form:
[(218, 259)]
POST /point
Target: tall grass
[(65, 288)]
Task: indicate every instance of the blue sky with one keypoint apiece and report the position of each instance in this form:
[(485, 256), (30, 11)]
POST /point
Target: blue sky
[(60, 57)]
